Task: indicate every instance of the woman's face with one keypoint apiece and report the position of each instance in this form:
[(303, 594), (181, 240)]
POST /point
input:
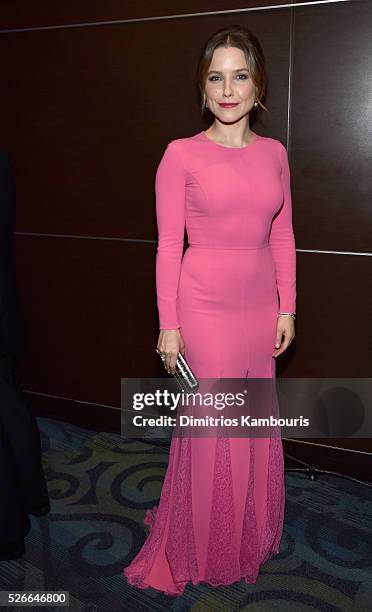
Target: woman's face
[(228, 80)]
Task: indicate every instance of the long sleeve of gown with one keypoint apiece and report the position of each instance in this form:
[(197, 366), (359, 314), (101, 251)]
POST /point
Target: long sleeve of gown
[(170, 184), (282, 243)]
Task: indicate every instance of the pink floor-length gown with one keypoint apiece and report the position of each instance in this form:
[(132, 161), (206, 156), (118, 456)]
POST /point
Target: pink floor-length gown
[(221, 509)]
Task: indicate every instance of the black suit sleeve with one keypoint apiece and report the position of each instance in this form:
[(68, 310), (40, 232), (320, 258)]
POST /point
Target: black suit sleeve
[(11, 322)]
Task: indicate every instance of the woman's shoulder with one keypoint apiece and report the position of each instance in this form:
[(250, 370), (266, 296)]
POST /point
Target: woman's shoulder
[(271, 142), (189, 148), (274, 147), (181, 148), (183, 141)]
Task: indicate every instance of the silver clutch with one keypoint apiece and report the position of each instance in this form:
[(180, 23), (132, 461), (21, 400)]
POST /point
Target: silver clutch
[(184, 376)]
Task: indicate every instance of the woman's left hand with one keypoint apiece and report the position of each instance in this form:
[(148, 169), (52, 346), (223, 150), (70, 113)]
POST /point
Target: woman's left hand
[(286, 328)]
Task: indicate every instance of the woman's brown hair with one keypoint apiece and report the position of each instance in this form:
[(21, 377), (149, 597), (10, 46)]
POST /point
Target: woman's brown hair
[(242, 38)]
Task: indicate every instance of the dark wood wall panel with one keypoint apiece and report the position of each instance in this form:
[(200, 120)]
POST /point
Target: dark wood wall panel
[(333, 331), (101, 107), (90, 311), (22, 13), (331, 127)]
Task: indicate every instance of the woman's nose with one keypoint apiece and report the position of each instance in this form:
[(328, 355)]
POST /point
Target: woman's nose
[(227, 88)]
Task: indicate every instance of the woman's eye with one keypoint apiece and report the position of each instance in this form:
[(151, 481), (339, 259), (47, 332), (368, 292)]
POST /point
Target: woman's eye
[(215, 76)]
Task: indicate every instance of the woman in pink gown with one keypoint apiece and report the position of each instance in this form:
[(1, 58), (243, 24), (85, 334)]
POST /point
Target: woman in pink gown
[(221, 510)]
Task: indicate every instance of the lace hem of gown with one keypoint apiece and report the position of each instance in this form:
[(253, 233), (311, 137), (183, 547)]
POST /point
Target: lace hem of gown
[(225, 565)]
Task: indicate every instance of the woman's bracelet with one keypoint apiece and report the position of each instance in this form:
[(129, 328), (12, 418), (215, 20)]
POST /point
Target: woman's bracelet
[(287, 314)]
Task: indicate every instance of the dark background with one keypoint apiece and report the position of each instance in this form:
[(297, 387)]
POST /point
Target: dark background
[(91, 93)]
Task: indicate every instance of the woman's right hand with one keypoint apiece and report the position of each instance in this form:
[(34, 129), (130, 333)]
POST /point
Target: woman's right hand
[(170, 343)]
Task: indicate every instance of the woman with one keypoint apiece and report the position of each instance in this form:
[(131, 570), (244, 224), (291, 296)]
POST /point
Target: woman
[(221, 509)]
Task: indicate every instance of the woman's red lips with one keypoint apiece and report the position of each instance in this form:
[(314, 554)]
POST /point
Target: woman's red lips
[(228, 104)]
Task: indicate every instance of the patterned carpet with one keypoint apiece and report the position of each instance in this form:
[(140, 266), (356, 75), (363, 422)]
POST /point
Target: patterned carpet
[(100, 486)]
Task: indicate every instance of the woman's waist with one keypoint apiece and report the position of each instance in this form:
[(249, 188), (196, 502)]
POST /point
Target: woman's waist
[(234, 247)]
